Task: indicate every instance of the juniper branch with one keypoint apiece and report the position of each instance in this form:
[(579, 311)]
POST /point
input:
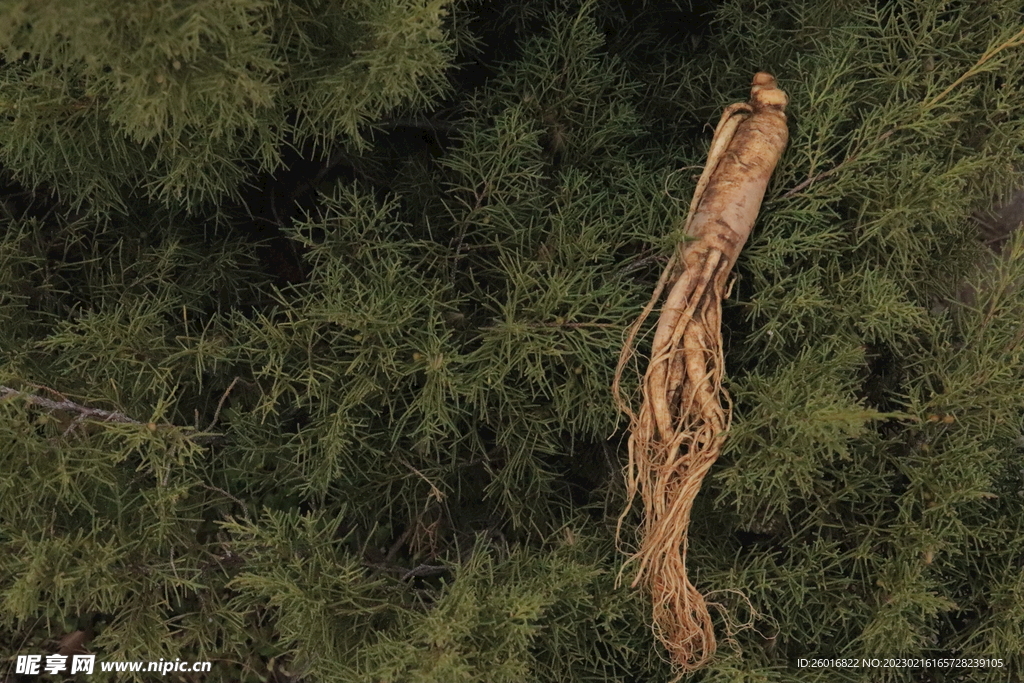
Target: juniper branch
[(85, 412)]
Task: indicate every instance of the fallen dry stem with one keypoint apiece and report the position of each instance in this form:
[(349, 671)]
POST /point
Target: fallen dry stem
[(685, 414)]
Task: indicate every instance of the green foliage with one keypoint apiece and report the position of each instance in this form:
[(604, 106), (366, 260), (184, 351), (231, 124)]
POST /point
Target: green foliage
[(389, 459), (179, 102)]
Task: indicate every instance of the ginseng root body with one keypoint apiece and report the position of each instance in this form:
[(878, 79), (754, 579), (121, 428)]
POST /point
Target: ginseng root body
[(680, 429)]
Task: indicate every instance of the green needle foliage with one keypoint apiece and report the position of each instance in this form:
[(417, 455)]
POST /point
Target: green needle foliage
[(357, 425), (180, 102)]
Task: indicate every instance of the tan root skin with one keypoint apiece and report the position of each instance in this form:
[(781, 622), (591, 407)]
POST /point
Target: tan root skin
[(685, 414)]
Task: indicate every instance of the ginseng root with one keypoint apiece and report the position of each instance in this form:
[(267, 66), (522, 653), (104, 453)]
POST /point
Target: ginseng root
[(685, 412)]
